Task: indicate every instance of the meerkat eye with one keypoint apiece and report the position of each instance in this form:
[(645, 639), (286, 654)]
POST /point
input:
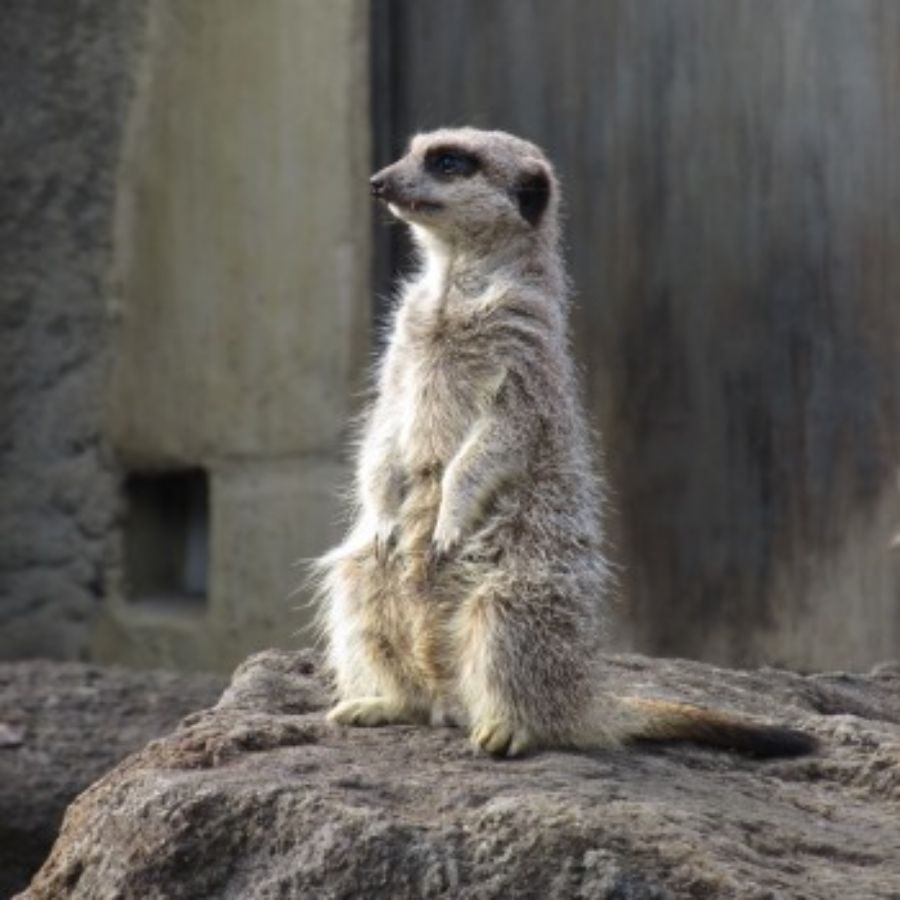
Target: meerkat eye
[(451, 163)]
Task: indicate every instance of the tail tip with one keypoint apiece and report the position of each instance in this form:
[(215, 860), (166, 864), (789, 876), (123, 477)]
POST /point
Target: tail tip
[(775, 741)]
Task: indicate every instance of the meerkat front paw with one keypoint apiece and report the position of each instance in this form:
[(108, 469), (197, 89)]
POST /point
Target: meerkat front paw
[(385, 540), (369, 711), (446, 538), (501, 738)]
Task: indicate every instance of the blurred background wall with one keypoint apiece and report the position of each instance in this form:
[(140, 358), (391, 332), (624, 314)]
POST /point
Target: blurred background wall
[(187, 286), (185, 318)]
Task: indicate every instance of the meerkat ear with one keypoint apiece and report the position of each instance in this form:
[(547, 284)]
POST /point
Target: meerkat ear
[(532, 193)]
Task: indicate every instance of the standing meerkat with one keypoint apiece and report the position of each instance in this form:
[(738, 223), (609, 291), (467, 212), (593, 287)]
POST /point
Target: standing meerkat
[(472, 587)]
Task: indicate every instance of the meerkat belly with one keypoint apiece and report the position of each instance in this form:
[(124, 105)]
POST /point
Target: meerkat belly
[(411, 620), (407, 609)]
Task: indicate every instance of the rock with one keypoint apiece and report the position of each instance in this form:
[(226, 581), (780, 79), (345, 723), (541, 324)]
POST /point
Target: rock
[(261, 798), (62, 725), (11, 737)]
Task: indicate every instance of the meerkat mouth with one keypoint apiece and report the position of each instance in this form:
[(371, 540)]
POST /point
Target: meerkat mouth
[(385, 190), (413, 206)]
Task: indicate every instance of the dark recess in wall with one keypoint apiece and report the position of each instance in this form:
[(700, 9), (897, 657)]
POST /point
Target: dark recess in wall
[(167, 536)]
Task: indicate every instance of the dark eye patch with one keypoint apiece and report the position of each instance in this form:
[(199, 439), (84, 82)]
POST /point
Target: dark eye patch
[(451, 162), (532, 192)]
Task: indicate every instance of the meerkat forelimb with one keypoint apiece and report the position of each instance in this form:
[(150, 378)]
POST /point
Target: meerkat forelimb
[(493, 452)]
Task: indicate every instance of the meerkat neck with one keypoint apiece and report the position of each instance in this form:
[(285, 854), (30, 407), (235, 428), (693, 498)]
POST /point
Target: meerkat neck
[(472, 268)]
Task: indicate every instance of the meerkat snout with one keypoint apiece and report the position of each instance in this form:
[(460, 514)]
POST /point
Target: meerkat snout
[(406, 197)]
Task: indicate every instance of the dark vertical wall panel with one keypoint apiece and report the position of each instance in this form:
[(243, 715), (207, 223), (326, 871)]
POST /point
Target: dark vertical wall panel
[(732, 173)]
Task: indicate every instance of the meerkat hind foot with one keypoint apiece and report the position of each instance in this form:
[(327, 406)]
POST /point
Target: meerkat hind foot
[(501, 738), (371, 711)]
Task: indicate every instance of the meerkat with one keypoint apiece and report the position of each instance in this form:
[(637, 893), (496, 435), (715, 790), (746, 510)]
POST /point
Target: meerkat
[(472, 588)]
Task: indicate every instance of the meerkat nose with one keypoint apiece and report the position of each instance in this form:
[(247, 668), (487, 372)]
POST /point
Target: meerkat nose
[(376, 183)]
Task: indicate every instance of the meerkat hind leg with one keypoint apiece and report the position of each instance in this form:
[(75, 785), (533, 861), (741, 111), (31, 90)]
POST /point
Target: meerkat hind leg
[(372, 711)]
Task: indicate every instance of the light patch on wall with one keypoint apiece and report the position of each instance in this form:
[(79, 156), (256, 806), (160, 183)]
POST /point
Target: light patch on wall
[(167, 537)]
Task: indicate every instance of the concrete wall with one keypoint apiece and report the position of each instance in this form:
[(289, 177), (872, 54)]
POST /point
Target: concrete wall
[(732, 179), (243, 274), (65, 83), (186, 296), (242, 307)]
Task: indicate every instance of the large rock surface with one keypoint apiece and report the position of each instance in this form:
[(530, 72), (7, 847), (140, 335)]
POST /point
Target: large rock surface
[(261, 798), (62, 725)]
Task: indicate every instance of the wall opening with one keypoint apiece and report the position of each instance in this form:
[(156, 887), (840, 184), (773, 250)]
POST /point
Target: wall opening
[(167, 537)]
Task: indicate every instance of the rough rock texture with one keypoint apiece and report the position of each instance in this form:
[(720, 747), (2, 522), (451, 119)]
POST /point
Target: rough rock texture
[(261, 798), (64, 86), (62, 725)]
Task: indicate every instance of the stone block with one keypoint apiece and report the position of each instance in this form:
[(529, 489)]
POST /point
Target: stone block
[(267, 520), (243, 233)]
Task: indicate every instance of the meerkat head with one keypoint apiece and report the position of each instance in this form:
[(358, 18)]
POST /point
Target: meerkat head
[(464, 186)]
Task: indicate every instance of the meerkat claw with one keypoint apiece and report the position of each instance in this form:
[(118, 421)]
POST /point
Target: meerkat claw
[(366, 712), (434, 559), (501, 739), (520, 744), (384, 543)]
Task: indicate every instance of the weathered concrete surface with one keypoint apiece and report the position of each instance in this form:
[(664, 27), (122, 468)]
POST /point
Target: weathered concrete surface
[(243, 306), (261, 798), (243, 245), (184, 255), (62, 725), (268, 519), (732, 188), (65, 80)]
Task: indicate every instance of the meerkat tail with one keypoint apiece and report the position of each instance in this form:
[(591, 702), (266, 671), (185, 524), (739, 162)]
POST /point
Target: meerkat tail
[(663, 721)]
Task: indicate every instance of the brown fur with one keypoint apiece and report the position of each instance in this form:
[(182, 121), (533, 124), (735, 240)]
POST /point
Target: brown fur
[(473, 585)]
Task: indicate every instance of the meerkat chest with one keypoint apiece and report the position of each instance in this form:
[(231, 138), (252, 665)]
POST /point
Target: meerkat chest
[(446, 382)]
